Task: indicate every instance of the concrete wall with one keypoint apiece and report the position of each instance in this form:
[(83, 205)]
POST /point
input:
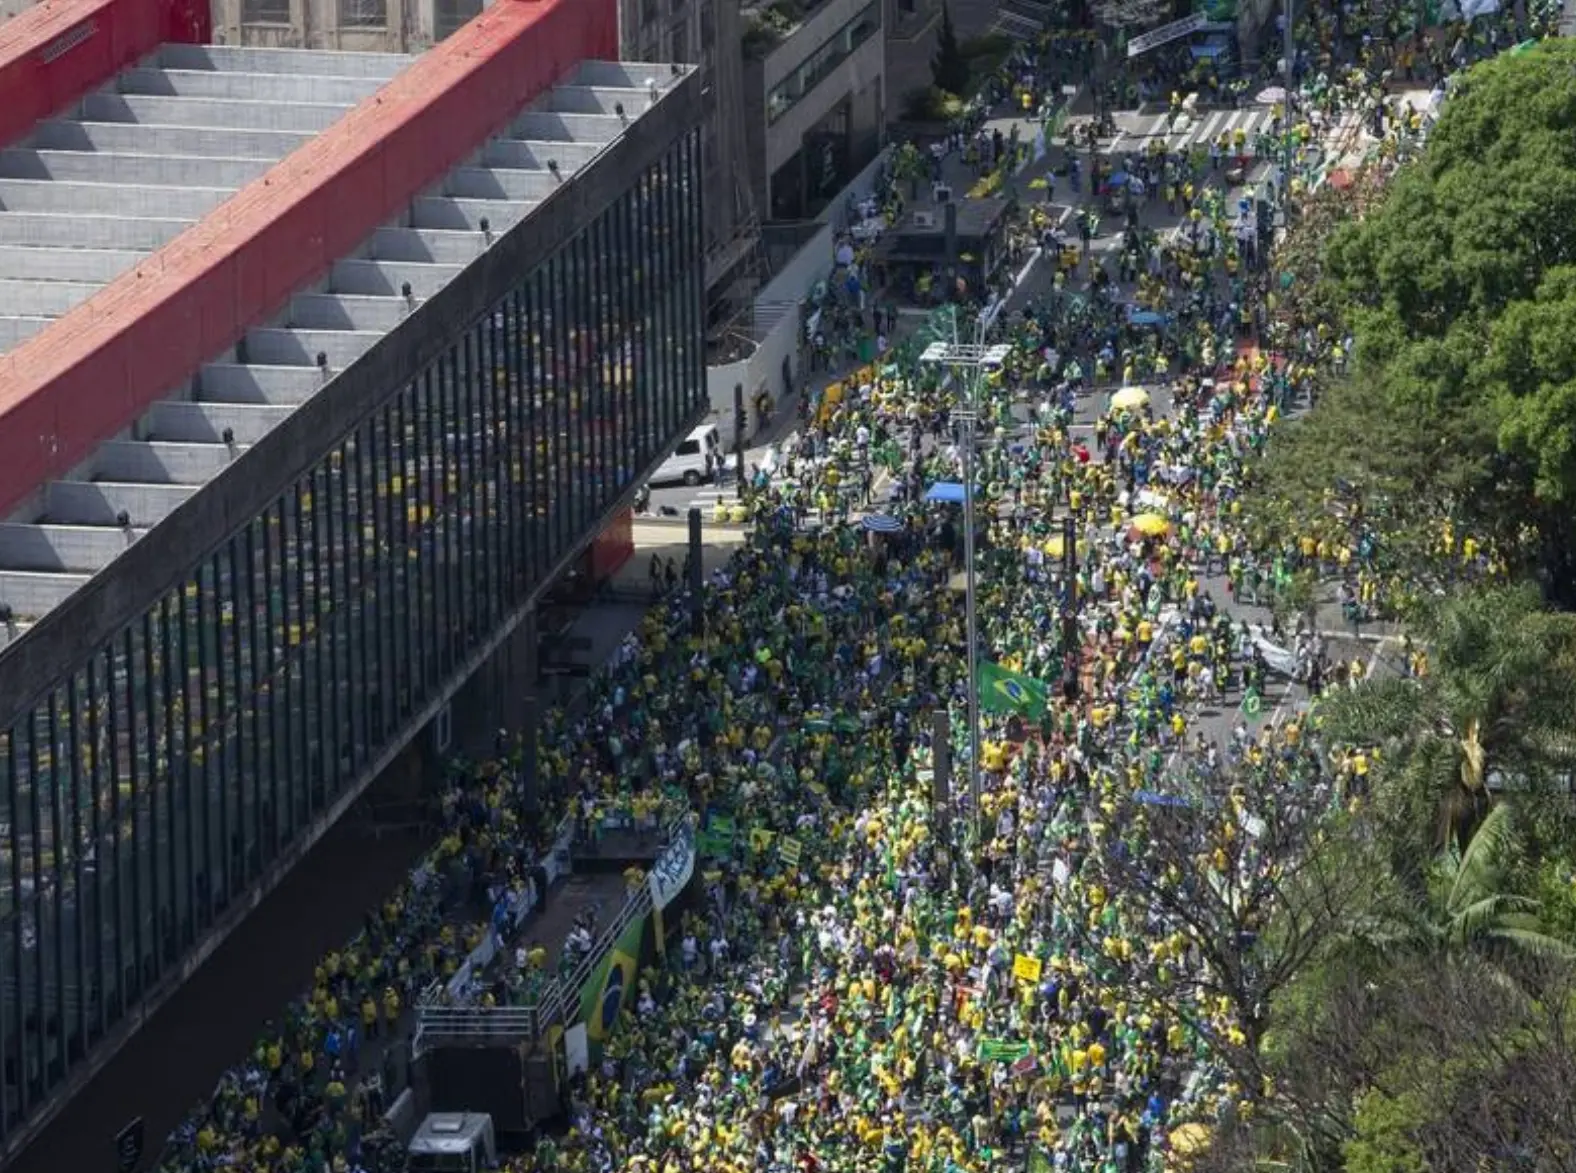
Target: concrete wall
[(762, 371), (813, 262), (52, 54), (94, 371), (315, 24)]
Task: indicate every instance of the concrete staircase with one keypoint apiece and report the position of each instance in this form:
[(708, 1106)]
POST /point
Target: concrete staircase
[(213, 119)]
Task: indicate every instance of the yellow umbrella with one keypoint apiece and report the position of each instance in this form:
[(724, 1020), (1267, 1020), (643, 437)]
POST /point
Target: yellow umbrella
[(1130, 399), (1054, 546), (1151, 525)]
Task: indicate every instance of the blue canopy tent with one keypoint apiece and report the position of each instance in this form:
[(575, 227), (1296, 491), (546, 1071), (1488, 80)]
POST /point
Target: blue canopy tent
[(949, 492)]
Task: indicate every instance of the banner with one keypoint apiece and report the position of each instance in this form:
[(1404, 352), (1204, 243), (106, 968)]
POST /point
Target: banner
[(673, 868), (1001, 1051), (790, 850), (1166, 33), (1026, 968)]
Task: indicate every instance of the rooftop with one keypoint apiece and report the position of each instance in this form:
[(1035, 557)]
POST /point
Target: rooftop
[(94, 194)]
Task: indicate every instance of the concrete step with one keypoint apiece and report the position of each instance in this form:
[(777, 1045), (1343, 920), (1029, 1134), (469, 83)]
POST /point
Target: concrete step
[(456, 215), (150, 110), (337, 311), (427, 245), (315, 62), (532, 154), (389, 278), (92, 267), (255, 87), (597, 100), (511, 184), (15, 331), (551, 127), (136, 170), (31, 594), (162, 464), (81, 549), (205, 423), (274, 346), (102, 502), (39, 230), (102, 199), (41, 299), (256, 383), (141, 139)]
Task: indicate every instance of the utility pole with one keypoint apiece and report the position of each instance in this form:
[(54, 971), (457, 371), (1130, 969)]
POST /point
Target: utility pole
[(970, 362)]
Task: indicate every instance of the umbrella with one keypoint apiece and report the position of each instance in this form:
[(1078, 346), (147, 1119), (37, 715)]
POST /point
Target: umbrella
[(1271, 96), (881, 523), (1130, 399), (1150, 525), (1146, 318), (1055, 546)]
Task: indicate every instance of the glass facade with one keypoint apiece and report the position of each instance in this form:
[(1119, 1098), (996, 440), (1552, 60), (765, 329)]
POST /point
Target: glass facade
[(143, 795)]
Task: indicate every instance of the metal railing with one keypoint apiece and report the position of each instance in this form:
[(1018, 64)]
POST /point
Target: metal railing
[(437, 1024)]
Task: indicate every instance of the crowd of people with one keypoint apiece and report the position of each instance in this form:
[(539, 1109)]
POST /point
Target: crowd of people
[(916, 985)]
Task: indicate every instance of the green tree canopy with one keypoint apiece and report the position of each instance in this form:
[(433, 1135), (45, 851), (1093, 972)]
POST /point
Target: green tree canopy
[(1460, 289), (949, 69)]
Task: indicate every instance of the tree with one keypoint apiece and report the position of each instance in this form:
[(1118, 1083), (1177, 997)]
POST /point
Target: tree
[(1256, 877), (949, 69), (1496, 701), (1457, 288)]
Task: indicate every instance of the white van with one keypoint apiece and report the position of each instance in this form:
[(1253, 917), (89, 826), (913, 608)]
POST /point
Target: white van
[(453, 1142), (697, 459)]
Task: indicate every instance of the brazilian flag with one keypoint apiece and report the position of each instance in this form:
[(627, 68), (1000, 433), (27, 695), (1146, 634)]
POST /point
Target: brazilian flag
[(611, 990), (1003, 691)]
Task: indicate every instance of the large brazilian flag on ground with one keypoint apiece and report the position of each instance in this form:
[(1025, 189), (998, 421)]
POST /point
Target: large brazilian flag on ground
[(1003, 691)]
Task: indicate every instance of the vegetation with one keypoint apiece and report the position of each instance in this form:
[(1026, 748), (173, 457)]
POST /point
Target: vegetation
[(1459, 417), (949, 68), (1424, 1020)]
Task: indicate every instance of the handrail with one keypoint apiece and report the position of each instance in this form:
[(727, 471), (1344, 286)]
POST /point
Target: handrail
[(437, 1023)]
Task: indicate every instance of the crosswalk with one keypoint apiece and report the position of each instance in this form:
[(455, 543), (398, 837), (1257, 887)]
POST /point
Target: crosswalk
[(1138, 131)]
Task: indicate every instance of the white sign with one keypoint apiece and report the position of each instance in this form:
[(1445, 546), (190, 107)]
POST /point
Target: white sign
[(1166, 33), (673, 868), (577, 1051)]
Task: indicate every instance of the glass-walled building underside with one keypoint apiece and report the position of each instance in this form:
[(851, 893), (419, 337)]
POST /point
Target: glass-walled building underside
[(142, 795)]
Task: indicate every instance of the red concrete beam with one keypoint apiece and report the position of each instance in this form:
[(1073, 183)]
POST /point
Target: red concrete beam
[(94, 371), (55, 52)]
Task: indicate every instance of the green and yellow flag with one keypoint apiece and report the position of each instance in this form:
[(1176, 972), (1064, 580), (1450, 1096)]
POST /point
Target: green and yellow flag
[(1003, 691)]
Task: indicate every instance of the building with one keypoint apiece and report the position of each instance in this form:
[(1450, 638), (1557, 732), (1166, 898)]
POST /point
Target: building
[(815, 99), (320, 368), (703, 31)]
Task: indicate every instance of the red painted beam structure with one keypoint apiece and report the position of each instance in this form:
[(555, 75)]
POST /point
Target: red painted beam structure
[(55, 52), (93, 372)]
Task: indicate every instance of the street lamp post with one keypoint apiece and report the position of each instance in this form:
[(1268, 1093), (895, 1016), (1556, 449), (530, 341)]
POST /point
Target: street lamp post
[(969, 361)]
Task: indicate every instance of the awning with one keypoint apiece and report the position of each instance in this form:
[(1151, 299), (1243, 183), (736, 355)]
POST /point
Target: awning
[(949, 491)]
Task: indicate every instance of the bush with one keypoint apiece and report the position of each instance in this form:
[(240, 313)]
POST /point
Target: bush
[(932, 104)]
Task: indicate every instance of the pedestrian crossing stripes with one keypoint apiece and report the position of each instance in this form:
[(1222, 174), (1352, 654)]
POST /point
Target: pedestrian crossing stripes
[(1189, 131)]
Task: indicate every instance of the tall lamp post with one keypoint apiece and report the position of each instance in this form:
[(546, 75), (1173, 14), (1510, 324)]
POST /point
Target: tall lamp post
[(969, 361)]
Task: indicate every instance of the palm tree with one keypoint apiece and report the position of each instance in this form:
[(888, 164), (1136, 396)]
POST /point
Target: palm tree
[(1466, 913), (1495, 704)]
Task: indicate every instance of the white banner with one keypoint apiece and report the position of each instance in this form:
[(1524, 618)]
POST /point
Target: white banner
[(673, 868), (1166, 33)]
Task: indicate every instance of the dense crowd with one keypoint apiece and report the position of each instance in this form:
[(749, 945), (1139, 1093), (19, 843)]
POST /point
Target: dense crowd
[(915, 986)]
